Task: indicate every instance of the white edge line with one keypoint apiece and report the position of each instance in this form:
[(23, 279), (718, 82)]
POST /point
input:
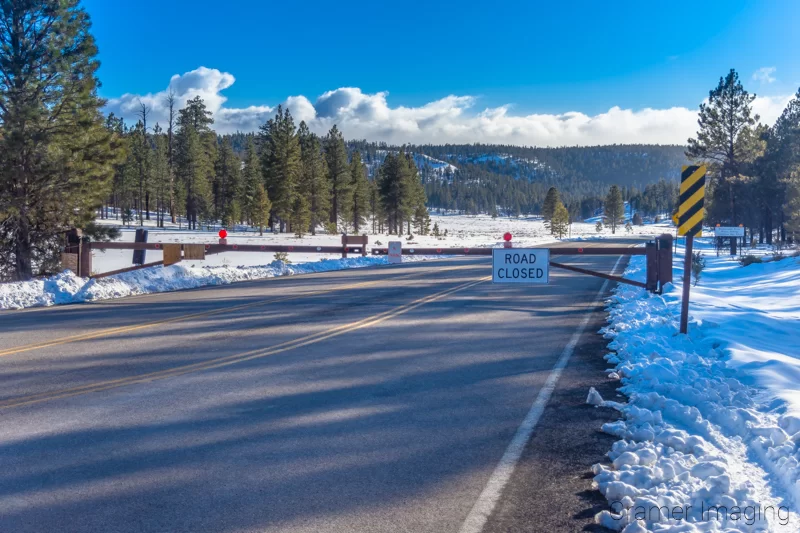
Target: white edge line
[(477, 517)]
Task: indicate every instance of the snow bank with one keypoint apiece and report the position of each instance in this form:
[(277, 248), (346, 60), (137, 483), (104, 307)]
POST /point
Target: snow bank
[(66, 287), (710, 432)]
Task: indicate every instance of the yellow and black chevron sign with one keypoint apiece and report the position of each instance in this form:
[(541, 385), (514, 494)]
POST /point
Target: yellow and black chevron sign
[(690, 206)]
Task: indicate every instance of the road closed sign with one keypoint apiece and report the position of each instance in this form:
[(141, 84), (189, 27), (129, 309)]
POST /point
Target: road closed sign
[(395, 252), (520, 265)]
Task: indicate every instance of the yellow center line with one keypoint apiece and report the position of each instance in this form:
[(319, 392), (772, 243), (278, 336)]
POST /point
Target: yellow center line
[(239, 358), (202, 314)]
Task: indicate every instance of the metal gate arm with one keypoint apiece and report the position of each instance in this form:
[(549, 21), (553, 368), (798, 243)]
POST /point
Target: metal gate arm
[(598, 274)]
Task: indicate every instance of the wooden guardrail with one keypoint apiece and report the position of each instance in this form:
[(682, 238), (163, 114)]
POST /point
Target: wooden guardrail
[(611, 250), (351, 244), (658, 253)]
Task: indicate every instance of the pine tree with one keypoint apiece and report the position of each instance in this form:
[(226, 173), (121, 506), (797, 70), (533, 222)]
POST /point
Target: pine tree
[(390, 191), (251, 181), (160, 174), (56, 155), (227, 184), (314, 185), (400, 191), (551, 201), (613, 208), (361, 190), (280, 163), (171, 118), (195, 154), (339, 175), (375, 210), (726, 116), (637, 219), (413, 193), (126, 181), (301, 216), (262, 207), (792, 206), (140, 151), (117, 126), (775, 168), (145, 178), (559, 223), (422, 220), (195, 116), (190, 163)]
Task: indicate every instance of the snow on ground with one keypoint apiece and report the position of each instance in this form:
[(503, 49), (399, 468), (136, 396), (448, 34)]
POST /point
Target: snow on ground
[(66, 287), (710, 431), (462, 231)]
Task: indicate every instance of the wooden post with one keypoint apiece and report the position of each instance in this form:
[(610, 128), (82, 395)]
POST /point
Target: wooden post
[(687, 280), (85, 259), (344, 246)]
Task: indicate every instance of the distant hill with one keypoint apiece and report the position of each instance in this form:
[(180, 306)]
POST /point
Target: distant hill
[(504, 179), (623, 165), (513, 179)]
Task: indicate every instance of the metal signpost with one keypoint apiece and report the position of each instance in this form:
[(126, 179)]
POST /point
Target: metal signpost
[(520, 265), (690, 225)]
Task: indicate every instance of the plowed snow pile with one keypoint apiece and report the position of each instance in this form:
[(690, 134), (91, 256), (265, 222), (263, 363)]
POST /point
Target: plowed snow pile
[(709, 434), (68, 288)]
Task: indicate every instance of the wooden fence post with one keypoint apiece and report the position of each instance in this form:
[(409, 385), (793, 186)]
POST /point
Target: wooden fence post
[(85, 258)]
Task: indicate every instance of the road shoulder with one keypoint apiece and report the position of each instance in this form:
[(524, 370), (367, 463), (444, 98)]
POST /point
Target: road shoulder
[(550, 489)]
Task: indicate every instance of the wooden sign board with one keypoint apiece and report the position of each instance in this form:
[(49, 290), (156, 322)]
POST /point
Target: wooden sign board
[(172, 254), (194, 251), (69, 261)]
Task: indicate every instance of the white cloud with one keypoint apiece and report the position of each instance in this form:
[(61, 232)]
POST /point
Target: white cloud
[(208, 84), (764, 75), (301, 108), (769, 108), (451, 119)]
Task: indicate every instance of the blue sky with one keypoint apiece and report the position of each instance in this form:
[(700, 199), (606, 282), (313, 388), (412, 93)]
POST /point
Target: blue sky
[(537, 58)]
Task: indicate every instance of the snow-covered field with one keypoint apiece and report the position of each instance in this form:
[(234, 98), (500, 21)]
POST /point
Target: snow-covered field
[(711, 426), (462, 231)]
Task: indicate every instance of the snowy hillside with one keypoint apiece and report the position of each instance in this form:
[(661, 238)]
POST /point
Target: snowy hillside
[(433, 168), (429, 167)]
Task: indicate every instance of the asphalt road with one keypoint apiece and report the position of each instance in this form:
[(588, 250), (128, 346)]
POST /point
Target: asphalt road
[(370, 400)]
